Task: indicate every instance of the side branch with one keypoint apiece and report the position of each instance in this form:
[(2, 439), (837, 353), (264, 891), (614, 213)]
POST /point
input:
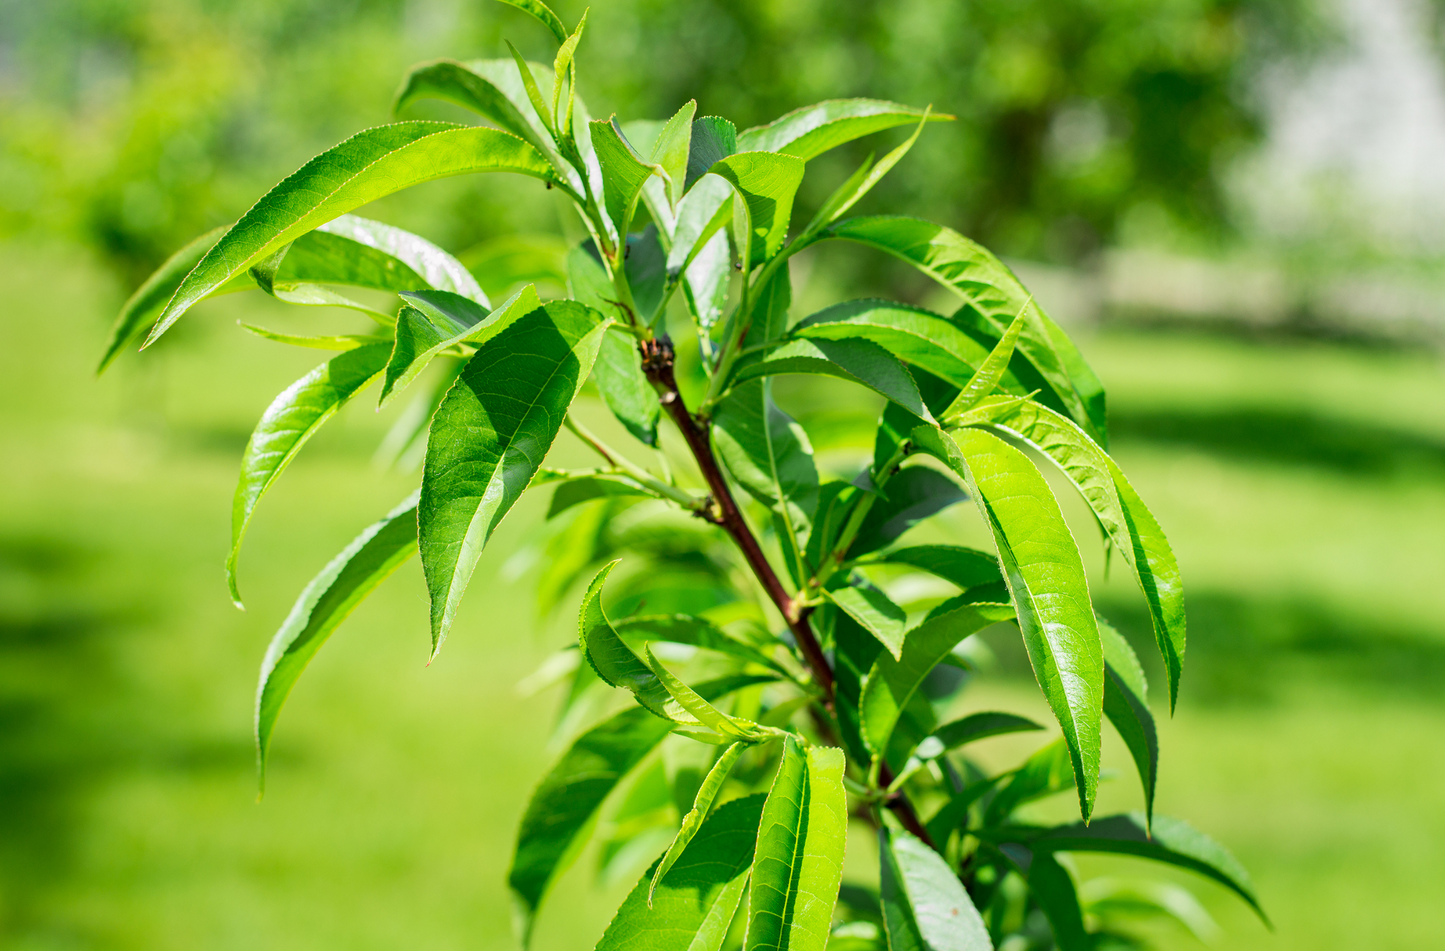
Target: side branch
[(657, 364)]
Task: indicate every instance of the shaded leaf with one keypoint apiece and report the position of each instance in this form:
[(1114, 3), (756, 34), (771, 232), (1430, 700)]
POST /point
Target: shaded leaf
[(1126, 704), (913, 494), (589, 489), (925, 906), (712, 139), (489, 437), (965, 567), (857, 361), (875, 611), (700, 217), (612, 659), (813, 130), (543, 14), (618, 369), (980, 726), (1053, 889), (768, 454), (364, 253), (694, 631)]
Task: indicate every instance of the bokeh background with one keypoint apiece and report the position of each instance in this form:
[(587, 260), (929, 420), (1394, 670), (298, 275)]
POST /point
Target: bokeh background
[(1237, 205)]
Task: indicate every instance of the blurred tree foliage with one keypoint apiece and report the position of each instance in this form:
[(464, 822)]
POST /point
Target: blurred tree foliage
[(136, 124)]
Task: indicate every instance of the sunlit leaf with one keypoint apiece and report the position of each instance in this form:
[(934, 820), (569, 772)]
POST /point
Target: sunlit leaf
[(857, 361), (1126, 704), (619, 367), (624, 172), (712, 140), (875, 611), (141, 308), (692, 822), (862, 181), (543, 14), (925, 907), (813, 130), (767, 183)]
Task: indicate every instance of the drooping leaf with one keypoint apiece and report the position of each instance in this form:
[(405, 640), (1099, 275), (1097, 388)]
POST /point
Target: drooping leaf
[(291, 420), (568, 798), (694, 903), (798, 865), (1123, 515), (994, 296), (912, 495), (857, 361), (624, 388), (980, 726), (141, 308), (965, 567), (876, 612), (767, 183), (892, 681), (624, 172), (925, 906), (1126, 704), (463, 85), (365, 167), (489, 436), (1050, 591), (768, 453), (712, 140), (694, 631), (543, 14), (614, 661), (813, 130), (917, 336), (692, 822), (326, 602)]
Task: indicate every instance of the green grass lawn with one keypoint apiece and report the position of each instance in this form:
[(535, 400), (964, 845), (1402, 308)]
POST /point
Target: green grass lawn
[(1303, 486)]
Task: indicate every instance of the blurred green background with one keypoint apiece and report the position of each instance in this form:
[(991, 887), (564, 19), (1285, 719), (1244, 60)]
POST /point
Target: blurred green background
[(1235, 204)]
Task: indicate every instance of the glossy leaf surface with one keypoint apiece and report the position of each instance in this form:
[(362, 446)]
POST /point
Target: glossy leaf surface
[(692, 822), (489, 437), (875, 611), (624, 172), (1126, 704), (543, 14), (925, 906), (917, 336), (813, 130), (712, 140), (142, 307), (768, 184), (980, 726), (857, 361)]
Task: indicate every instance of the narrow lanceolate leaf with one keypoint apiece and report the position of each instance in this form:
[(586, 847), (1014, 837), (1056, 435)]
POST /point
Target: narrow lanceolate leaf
[(1050, 592), (694, 903), (767, 183), (351, 249), (624, 172), (693, 631), (813, 130), (892, 682), (462, 85), (876, 612), (711, 784), (582, 489), (857, 361), (980, 726), (567, 800), (341, 342), (365, 167), (993, 297), (990, 372), (697, 707), (141, 308), (618, 370), (432, 321), (799, 860), (965, 567), (1129, 523), (290, 420), (489, 436), (1053, 889), (912, 495), (768, 454), (327, 600), (862, 181), (924, 904), (614, 661), (543, 14), (1126, 704)]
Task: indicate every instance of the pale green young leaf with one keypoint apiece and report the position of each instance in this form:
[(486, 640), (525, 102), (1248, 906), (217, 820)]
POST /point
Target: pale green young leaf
[(563, 71), (711, 140), (965, 567), (701, 214), (925, 906), (767, 183), (813, 130), (433, 321), (142, 307), (326, 602), (862, 181), (993, 297), (624, 172), (618, 370), (293, 418), (1050, 591), (711, 785), (858, 361), (694, 631), (726, 727), (342, 342), (463, 85), (798, 866), (671, 150), (1126, 704), (334, 252), (767, 453), (543, 14), (367, 166), (613, 660), (1129, 524), (876, 612), (892, 682), (695, 901), (489, 436), (990, 373)]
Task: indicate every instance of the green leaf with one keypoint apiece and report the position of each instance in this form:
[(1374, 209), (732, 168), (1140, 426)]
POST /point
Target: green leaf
[(489, 437), (990, 372), (434, 321), (692, 822), (613, 660), (799, 860), (463, 85), (1123, 515), (813, 130), (694, 631), (326, 602), (857, 361), (365, 167), (994, 296), (142, 307), (769, 305), (980, 726), (566, 802), (768, 454), (342, 342), (862, 181), (564, 70), (1053, 890), (589, 489), (624, 388), (912, 495), (1048, 771), (290, 420), (700, 216), (712, 140), (672, 149), (543, 14), (646, 268), (1126, 704), (624, 172), (693, 703), (694, 903), (917, 336), (876, 612), (767, 183), (892, 681), (1046, 578), (924, 904), (502, 263), (965, 567), (364, 253)]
